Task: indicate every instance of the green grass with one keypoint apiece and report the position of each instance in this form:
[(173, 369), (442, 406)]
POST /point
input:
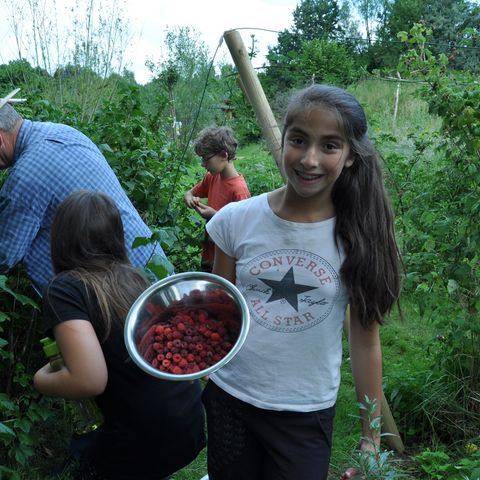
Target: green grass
[(256, 164), (378, 100)]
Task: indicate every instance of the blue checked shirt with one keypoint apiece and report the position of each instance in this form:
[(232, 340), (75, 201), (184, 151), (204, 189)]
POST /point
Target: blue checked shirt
[(50, 162)]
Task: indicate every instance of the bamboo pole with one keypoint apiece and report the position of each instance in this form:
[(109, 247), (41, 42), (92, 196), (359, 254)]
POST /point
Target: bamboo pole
[(255, 95)]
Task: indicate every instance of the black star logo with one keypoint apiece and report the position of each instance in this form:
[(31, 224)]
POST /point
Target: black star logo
[(286, 288)]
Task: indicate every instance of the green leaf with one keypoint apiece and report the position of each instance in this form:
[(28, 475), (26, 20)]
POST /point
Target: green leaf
[(23, 299), (105, 147), (452, 286), (23, 453), (23, 424), (165, 236), (8, 473), (141, 242), (160, 266), (6, 431), (6, 404)]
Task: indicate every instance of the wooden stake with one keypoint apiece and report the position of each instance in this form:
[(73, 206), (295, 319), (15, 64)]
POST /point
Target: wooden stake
[(255, 95), (397, 98)]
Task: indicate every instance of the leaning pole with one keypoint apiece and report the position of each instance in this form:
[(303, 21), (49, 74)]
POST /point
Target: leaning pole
[(256, 97)]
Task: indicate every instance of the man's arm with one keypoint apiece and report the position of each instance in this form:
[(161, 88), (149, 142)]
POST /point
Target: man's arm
[(18, 228)]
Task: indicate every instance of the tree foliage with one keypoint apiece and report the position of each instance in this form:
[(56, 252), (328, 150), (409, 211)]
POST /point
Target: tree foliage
[(323, 21), (441, 237)]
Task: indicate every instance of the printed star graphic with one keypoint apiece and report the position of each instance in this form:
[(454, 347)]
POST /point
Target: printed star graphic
[(286, 288)]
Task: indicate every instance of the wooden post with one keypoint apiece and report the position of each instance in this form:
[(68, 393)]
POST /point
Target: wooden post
[(388, 422), (397, 98), (255, 95)]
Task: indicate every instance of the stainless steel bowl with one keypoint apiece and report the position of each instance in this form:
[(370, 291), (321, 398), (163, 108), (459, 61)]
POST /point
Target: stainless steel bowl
[(167, 295)]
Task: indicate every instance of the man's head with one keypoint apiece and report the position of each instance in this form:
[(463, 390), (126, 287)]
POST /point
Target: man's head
[(10, 121)]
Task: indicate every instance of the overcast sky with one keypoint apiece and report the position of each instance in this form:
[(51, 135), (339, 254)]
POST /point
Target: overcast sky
[(149, 20)]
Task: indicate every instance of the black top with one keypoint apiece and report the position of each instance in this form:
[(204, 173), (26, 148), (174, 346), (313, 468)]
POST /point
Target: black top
[(152, 427)]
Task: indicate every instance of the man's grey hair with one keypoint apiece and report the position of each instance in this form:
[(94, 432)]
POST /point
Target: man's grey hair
[(9, 118)]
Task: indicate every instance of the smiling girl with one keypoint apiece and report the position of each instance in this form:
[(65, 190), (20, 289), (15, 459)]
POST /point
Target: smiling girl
[(300, 255)]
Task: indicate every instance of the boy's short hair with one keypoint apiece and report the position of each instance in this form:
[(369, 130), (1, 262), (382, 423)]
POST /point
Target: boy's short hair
[(213, 140)]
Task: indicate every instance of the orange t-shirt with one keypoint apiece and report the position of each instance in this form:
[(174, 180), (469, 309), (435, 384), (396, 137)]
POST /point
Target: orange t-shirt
[(219, 192)]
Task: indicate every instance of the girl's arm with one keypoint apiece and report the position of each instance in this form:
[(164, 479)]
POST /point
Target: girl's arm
[(366, 359), (85, 372), (224, 265)]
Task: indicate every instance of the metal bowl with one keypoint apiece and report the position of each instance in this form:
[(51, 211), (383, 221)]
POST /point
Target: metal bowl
[(190, 294)]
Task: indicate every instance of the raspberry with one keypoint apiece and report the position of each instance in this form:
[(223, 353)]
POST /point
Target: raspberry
[(215, 337), (192, 333), (181, 327)]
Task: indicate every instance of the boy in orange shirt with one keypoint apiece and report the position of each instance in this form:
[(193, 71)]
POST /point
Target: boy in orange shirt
[(222, 184)]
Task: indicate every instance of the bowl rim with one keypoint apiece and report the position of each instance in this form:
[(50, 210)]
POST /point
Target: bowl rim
[(176, 278)]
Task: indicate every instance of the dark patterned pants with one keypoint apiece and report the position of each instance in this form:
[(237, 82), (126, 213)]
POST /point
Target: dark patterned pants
[(250, 443)]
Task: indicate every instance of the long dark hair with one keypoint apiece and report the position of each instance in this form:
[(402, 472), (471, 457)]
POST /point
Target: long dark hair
[(364, 217), (87, 240)]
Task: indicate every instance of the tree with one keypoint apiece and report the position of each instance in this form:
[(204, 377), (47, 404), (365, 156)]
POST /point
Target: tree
[(448, 20), (397, 16), (320, 20), (313, 19), (326, 61), (370, 11), (184, 77)]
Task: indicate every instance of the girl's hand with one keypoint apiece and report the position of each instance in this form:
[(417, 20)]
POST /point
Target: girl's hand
[(367, 447), (350, 473), (41, 374)]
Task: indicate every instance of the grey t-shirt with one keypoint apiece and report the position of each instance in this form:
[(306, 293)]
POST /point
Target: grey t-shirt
[(289, 275)]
